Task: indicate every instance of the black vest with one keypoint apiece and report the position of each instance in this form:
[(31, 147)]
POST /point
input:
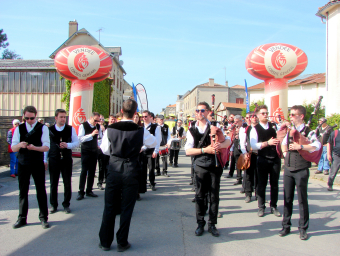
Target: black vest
[(265, 135), (293, 160), (180, 131), (55, 135), (152, 130), (164, 130), (92, 145), (26, 156), (203, 160), (126, 139)]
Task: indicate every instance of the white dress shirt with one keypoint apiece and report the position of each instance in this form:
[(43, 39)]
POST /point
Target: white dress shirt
[(158, 137), (83, 138), (254, 139), (315, 142), (45, 138), (190, 138), (242, 136), (148, 140)]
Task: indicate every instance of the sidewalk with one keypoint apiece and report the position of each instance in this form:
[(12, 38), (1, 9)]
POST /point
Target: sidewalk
[(164, 222)]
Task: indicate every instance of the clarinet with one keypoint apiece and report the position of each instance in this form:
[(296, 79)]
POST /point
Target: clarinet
[(213, 136), (316, 108)]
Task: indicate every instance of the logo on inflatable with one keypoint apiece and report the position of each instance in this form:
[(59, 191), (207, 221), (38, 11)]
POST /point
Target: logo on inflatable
[(83, 62), (280, 60), (278, 114), (79, 117)]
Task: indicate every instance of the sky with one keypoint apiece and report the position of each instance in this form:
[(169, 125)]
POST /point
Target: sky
[(171, 46)]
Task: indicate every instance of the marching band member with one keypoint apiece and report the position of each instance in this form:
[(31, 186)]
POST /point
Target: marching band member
[(178, 132), (263, 138), (165, 140), (296, 173), (208, 176)]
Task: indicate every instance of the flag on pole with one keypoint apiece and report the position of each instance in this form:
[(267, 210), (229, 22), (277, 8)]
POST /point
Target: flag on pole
[(135, 95), (247, 98), (143, 99)]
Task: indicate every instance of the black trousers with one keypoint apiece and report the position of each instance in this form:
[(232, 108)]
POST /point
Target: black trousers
[(233, 162), (174, 156), (207, 182), (63, 166), (165, 163), (120, 187), (249, 179), (88, 169), (192, 170), (103, 161), (268, 167), (37, 171), (298, 179), (148, 163)]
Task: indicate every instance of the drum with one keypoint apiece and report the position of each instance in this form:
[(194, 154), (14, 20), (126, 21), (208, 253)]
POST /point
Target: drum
[(163, 151), (175, 144)]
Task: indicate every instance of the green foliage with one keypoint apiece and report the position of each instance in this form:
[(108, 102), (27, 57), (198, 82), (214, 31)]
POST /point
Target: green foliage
[(3, 39), (101, 97), (10, 55), (252, 107), (66, 96), (309, 109), (333, 119)]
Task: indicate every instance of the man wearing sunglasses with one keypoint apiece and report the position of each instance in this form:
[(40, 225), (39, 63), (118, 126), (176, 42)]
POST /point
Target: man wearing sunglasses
[(296, 173), (89, 132), (207, 175), (149, 154), (31, 139), (178, 132), (263, 141)]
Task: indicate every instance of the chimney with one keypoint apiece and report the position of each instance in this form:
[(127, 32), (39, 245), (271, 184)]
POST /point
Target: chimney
[(211, 82), (226, 83), (72, 27)]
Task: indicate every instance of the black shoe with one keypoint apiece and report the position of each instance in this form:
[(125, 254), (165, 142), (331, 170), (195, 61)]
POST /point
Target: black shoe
[(199, 231), (213, 230), (238, 182), (103, 248), (303, 234), (20, 223), (275, 211), (248, 199), (175, 165), (260, 213), (170, 164), (193, 200), (45, 224), (284, 232), (229, 176), (121, 248), (80, 197), (191, 183), (67, 210), (100, 187), (91, 194), (153, 188), (53, 210), (330, 188)]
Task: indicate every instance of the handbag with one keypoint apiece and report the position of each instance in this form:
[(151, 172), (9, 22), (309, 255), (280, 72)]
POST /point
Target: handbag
[(243, 163)]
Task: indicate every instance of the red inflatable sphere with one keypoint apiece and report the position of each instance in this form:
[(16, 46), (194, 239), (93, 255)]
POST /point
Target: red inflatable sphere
[(83, 62), (276, 61)]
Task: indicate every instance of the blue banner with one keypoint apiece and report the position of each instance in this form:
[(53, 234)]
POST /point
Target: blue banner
[(247, 98), (135, 95)]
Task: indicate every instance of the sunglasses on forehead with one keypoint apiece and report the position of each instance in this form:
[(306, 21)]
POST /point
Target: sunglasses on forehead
[(29, 118)]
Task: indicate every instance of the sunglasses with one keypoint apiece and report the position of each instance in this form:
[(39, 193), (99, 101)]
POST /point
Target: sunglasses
[(264, 113), (200, 110), (293, 115), (29, 118), (97, 121), (144, 116)]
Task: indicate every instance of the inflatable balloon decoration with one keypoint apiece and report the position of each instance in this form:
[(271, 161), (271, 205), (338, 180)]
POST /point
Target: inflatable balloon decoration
[(83, 65), (276, 64)]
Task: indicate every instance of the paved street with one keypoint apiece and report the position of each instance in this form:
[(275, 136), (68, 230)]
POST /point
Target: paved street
[(163, 222)]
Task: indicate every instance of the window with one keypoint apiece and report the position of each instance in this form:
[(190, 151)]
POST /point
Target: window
[(239, 100)]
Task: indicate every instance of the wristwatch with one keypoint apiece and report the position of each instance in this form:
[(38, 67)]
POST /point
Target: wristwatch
[(301, 147)]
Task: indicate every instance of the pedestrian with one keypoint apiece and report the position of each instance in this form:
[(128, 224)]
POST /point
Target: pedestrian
[(123, 142), (178, 134), (102, 158), (323, 135), (14, 160), (31, 140), (333, 154), (165, 131)]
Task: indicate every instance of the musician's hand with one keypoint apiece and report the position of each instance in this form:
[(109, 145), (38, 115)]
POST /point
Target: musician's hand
[(154, 155), (294, 146), (209, 150), (63, 145), (246, 156), (30, 147), (45, 166), (23, 144), (217, 146), (94, 133), (329, 157), (273, 141)]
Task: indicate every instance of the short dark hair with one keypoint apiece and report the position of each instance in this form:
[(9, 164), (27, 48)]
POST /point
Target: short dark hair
[(30, 109), (129, 108), (95, 114), (301, 109), (59, 110), (148, 112), (152, 115), (112, 116), (203, 103), (261, 107)]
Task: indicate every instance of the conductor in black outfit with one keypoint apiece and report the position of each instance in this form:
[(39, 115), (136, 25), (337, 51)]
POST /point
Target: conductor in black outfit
[(88, 135), (123, 142)]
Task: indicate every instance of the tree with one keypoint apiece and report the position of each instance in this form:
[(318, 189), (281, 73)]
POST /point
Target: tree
[(10, 55), (252, 107), (319, 113), (3, 39)]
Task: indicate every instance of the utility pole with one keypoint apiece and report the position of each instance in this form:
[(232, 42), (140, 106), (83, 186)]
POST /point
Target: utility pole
[(99, 32)]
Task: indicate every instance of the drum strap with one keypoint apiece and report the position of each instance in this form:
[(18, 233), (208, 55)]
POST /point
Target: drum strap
[(203, 138)]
